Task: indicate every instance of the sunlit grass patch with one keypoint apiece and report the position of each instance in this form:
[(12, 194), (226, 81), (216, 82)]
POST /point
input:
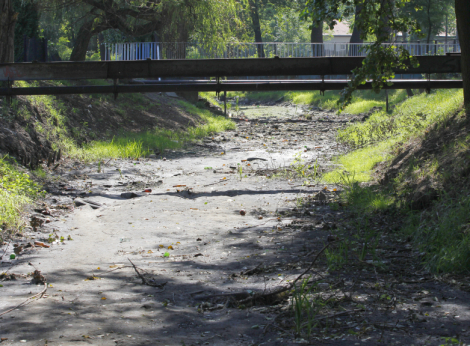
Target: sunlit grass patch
[(363, 100), (16, 191), (358, 164), (135, 145), (408, 118)]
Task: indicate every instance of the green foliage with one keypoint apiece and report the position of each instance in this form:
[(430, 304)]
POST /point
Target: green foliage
[(280, 22), (408, 118), (442, 232), (444, 238), (16, 191), (431, 16), (305, 307), (362, 102), (375, 19), (135, 145)]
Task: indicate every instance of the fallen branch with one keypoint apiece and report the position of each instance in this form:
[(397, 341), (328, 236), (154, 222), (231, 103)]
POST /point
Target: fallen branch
[(245, 297), (27, 301), (144, 280), (272, 294)]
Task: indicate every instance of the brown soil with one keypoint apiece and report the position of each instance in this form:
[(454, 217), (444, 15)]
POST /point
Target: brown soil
[(432, 165)]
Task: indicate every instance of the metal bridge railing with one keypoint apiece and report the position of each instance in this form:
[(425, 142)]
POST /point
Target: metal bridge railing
[(185, 50)]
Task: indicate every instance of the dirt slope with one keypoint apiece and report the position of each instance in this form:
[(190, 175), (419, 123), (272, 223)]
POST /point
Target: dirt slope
[(35, 126)]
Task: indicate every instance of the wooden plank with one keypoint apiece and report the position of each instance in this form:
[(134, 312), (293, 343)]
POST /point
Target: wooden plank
[(250, 86), (208, 68)]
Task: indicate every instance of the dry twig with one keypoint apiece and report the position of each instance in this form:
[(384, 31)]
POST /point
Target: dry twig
[(144, 280), (27, 301)]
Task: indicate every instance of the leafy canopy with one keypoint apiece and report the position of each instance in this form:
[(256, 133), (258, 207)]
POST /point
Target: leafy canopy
[(380, 19)]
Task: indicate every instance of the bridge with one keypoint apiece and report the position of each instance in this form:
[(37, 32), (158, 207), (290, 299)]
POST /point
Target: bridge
[(119, 71), (185, 50)]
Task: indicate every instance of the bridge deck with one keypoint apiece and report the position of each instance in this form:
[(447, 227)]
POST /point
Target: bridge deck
[(209, 68)]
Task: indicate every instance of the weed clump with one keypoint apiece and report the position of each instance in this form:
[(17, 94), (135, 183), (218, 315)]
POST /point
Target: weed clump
[(17, 190)]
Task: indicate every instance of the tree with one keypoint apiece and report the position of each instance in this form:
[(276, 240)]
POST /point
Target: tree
[(171, 18), (430, 14), (8, 19), (26, 25), (380, 19), (462, 13), (254, 13), (356, 34)]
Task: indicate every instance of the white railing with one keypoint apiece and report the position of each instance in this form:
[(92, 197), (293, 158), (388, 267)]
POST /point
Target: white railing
[(184, 50)]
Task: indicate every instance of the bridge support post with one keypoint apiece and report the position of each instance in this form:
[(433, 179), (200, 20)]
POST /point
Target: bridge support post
[(386, 101), (225, 103)]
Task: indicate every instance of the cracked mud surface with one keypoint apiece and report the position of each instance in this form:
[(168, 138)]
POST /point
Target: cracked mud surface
[(217, 256)]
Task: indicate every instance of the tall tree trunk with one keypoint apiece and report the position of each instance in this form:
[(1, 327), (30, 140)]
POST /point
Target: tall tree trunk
[(81, 43), (356, 35), (429, 23), (254, 12), (316, 36), (7, 31), (387, 7), (462, 13), (101, 46)]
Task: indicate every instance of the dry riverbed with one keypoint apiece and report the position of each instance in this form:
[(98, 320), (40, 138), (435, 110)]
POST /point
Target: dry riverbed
[(192, 260)]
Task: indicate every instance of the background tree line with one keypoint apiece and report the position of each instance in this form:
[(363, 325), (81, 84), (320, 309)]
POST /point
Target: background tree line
[(76, 29)]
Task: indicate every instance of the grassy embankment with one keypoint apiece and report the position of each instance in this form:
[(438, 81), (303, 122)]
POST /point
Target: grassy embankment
[(134, 145), (424, 148), (126, 144), (17, 187)]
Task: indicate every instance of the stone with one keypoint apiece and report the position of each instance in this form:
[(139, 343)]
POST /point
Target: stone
[(129, 195)]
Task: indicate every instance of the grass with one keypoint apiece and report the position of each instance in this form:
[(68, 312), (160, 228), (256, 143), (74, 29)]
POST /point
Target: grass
[(363, 100), (359, 164), (17, 190), (444, 238), (126, 144), (135, 145), (384, 131), (441, 232)]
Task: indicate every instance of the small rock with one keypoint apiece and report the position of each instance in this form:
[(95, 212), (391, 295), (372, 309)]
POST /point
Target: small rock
[(129, 195), (78, 202)]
